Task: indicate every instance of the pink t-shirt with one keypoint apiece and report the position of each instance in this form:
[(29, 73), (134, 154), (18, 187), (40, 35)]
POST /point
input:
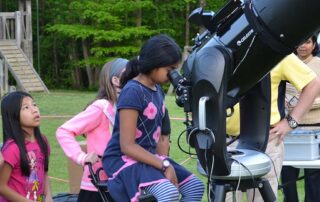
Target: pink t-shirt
[(29, 186)]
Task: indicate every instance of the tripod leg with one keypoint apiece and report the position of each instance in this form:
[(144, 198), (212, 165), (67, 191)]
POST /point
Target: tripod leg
[(234, 196), (267, 192), (220, 193)]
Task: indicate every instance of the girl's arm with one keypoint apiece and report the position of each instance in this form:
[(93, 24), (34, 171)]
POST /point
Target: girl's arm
[(80, 124), (5, 190), (47, 190), (163, 145), (128, 125)]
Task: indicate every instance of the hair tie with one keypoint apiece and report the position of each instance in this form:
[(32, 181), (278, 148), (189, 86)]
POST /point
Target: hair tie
[(117, 67)]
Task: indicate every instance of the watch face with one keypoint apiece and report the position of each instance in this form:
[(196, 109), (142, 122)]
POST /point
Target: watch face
[(293, 124), (166, 163)]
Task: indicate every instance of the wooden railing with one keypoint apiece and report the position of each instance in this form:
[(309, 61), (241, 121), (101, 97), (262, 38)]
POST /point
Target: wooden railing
[(12, 26), (15, 27)]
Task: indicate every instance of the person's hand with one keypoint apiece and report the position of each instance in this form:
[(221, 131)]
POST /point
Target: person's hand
[(91, 158), (170, 174), (48, 199), (279, 131)]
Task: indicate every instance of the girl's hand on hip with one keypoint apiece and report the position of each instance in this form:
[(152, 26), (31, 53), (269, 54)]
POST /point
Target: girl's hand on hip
[(91, 158)]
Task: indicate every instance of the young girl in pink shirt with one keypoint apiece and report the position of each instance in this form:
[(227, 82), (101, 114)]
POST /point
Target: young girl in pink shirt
[(23, 175), (96, 122)]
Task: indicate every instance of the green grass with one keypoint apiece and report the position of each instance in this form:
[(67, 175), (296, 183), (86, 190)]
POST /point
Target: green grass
[(59, 106)]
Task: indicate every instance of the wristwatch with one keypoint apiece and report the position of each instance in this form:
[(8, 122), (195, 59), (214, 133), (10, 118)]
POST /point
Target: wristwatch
[(292, 123), (165, 164)]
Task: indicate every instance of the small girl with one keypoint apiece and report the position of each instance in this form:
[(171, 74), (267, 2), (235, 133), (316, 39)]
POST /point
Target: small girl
[(96, 122), (130, 159), (23, 176)]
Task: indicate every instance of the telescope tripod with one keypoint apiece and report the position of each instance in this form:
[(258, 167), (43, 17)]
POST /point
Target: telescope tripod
[(221, 187)]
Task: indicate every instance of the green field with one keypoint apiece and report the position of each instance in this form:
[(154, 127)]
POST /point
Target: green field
[(59, 106)]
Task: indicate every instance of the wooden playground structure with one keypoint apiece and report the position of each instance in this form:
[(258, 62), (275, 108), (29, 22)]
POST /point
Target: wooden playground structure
[(16, 51)]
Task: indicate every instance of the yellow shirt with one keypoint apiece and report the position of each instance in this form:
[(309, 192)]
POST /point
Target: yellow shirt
[(313, 116), (290, 69)]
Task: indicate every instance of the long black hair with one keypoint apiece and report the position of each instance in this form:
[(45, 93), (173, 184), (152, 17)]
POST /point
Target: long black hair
[(10, 111), (159, 51)]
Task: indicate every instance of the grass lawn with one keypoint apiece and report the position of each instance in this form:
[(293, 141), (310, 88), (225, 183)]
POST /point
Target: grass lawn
[(59, 106)]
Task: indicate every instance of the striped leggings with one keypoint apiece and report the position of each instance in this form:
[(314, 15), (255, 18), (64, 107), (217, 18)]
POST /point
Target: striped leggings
[(190, 191)]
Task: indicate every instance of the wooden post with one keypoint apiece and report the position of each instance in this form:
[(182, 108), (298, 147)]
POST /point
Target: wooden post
[(28, 21), (26, 39), (1, 26), (28, 44), (21, 7), (22, 21), (4, 86), (6, 77), (18, 28), (1, 78)]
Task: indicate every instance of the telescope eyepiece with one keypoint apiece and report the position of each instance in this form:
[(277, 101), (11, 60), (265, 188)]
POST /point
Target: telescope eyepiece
[(175, 78)]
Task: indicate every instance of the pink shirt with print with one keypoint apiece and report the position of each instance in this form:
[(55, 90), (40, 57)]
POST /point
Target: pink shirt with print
[(31, 186)]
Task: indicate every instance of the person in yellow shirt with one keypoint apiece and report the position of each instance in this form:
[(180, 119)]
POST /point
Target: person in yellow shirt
[(293, 70), (307, 53)]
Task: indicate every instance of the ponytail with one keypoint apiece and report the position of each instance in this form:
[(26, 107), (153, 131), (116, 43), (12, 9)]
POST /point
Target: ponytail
[(131, 71)]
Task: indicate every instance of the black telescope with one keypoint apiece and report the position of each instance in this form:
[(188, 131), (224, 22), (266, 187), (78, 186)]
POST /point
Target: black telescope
[(229, 64), (258, 34)]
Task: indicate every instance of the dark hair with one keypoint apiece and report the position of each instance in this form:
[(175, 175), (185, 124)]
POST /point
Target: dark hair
[(10, 111), (316, 45), (159, 51)]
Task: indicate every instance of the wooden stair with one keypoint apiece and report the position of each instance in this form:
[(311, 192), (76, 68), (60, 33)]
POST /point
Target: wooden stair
[(21, 68)]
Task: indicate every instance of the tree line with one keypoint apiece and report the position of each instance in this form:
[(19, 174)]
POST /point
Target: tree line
[(76, 37)]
